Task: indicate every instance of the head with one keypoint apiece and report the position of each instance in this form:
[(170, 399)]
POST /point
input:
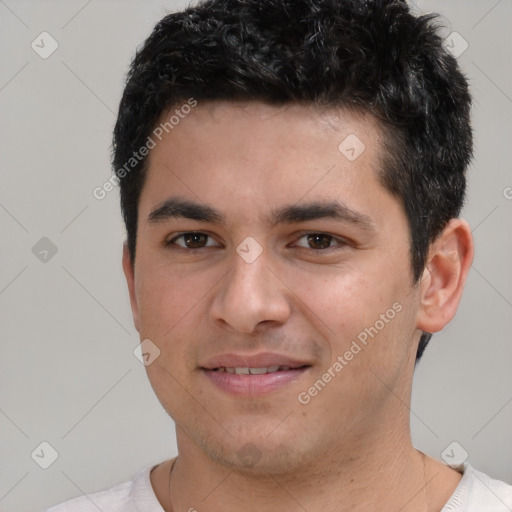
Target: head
[(246, 107)]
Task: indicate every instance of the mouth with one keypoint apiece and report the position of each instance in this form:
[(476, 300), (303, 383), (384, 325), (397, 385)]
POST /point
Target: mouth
[(250, 376), (246, 370)]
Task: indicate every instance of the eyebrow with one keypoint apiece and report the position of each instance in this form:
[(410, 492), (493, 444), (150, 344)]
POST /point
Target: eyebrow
[(183, 208)]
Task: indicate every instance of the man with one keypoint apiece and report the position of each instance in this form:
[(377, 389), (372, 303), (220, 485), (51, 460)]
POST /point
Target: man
[(291, 177)]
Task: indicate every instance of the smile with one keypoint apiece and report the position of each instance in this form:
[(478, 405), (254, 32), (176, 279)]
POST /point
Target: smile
[(252, 371), (252, 382)]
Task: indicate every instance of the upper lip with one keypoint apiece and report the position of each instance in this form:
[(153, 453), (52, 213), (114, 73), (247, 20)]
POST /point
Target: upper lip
[(261, 360)]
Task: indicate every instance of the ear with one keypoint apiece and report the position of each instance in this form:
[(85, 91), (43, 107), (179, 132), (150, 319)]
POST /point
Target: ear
[(129, 272), (449, 260)]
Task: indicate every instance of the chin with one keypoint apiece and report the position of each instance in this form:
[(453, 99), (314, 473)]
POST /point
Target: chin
[(251, 452), (257, 459)]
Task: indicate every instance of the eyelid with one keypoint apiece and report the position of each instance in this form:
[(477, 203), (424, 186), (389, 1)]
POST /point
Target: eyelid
[(341, 242), (172, 241)]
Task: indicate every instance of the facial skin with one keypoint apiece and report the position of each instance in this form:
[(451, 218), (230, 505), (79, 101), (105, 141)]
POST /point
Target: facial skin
[(297, 300)]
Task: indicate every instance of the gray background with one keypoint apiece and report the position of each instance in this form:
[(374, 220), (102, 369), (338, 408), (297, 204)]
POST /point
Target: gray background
[(68, 375)]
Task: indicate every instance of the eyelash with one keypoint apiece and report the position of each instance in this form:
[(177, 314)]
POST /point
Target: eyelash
[(173, 246)]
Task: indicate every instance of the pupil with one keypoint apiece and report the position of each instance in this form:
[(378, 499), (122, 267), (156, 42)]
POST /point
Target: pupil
[(194, 240), (317, 241)]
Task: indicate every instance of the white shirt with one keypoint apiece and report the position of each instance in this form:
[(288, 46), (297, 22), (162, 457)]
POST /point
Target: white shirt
[(476, 492)]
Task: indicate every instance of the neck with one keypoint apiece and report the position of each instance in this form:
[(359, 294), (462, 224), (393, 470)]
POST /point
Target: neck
[(381, 473)]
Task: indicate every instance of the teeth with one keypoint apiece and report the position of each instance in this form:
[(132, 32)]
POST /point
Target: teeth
[(253, 371), (257, 371)]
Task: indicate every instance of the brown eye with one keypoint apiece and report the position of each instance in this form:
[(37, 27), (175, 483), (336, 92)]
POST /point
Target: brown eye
[(191, 240), (319, 241), (194, 240)]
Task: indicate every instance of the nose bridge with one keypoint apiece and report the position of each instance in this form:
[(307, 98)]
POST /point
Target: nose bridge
[(251, 293), (247, 279)]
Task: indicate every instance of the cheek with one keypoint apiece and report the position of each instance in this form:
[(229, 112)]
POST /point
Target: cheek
[(169, 310), (173, 312), (343, 302), (167, 302), (358, 307), (165, 292)]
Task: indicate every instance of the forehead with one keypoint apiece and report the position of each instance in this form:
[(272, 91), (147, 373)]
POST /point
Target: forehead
[(255, 154), (251, 126)]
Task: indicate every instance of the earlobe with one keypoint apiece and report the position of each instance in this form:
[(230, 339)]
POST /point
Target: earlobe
[(129, 272), (449, 261)]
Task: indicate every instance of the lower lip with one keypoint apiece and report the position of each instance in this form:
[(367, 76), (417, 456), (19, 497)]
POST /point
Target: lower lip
[(250, 385)]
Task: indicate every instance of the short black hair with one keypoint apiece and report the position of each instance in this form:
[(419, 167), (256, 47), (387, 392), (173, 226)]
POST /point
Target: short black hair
[(372, 55)]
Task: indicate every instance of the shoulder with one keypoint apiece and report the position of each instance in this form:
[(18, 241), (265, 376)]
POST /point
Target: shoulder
[(477, 492), (133, 496), (114, 500)]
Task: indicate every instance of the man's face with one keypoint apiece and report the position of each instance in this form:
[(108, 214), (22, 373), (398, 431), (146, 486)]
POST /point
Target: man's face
[(271, 282)]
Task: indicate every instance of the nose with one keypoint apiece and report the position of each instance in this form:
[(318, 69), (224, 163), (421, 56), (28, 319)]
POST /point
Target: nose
[(251, 295)]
